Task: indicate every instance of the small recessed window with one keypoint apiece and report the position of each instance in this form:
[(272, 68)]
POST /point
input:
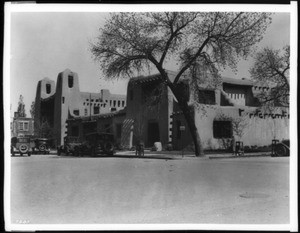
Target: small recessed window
[(115, 102), (48, 88), (119, 103), (63, 100), (76, 112), (85, 112), (70, 81), (96, 110)]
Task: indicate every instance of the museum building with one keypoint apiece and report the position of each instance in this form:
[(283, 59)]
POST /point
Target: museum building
[(222, 111)]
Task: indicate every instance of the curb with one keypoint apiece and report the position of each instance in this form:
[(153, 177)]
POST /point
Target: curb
[(243, 156)]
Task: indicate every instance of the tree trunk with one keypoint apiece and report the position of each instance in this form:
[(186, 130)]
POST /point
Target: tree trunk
[(190, 119)]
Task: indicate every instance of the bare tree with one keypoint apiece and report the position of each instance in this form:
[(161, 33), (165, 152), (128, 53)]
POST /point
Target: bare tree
[(43, 129), (272, 67), (131, 42), (32, 109)]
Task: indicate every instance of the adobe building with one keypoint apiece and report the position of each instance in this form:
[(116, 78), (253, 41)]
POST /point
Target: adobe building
[(57, 103), (222, 111), (231, 110)]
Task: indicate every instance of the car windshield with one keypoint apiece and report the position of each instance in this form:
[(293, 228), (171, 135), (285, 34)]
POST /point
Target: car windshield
[(23, 140)]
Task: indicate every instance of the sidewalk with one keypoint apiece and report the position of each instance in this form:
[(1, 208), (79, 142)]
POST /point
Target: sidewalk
[(188, 154)]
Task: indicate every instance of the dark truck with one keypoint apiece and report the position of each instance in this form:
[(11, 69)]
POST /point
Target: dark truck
[(93, 144), (41, 145)]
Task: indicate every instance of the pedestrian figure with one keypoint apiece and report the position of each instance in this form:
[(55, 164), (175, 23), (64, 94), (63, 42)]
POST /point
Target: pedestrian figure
[(140, 148)]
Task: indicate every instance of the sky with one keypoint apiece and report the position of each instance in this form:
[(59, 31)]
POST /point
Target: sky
[(44, 44)]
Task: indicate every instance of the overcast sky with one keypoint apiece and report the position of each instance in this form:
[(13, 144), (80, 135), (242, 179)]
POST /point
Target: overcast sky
[(44, 44)]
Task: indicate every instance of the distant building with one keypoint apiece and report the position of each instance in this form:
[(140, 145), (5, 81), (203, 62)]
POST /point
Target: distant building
[(22, 126), (57, 103)]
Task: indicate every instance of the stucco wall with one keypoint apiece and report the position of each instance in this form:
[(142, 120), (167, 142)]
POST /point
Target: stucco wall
[(260, 129)]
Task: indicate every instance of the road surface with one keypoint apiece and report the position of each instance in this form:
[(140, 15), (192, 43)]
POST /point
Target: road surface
[(63, 189)]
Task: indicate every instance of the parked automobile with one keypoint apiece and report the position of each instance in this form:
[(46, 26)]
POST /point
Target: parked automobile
[(97, 144), (282, 148), (42, 145), (71, 146), (21, 145)]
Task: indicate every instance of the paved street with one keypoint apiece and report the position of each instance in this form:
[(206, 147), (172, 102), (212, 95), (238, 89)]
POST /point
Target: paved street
[(53, 189)]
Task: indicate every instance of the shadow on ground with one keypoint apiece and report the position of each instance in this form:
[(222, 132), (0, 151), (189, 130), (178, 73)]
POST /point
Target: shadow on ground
[(119, 156)]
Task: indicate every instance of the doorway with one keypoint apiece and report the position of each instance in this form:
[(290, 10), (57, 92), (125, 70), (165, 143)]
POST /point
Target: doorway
[(153, 133)]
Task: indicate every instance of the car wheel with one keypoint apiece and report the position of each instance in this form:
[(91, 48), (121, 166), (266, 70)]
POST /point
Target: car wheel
[(76, 151), (23, 148), (280, 150)]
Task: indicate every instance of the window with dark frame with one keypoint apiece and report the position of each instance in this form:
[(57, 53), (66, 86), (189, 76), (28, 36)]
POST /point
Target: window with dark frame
[(48, 88), (207, 97), (222, 129), (76, 112), (96, 109), (70, 81)]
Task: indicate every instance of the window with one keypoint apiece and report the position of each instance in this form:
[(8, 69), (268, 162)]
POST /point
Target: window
[(178, 124), (76, 112), (123, 103), (110, 103), (48, 88), (114, 103), (23, 126), (26, 126), (222, 129), (119, 103), (63, 100), (85, 112), (70, 81), (207, 97), (96, 109)]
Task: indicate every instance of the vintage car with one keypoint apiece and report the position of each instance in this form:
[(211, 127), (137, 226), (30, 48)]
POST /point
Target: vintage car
[(93, 144), (42, 145), (98, 144), (71, 146), (282, 148), (21, 145)]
